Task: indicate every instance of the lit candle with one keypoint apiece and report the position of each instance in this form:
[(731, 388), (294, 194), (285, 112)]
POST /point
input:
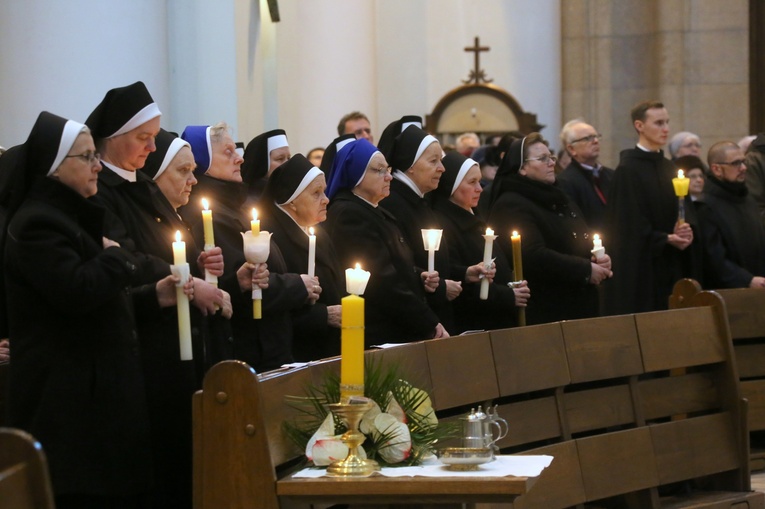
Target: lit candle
[(681, 184), (256, 250), (517, 261), (487, 248), (207, 223), (255, 223), (598, 251), (431, 239), (515, 238), (181, 269), (311, 252), (179, 250), (352, 335)]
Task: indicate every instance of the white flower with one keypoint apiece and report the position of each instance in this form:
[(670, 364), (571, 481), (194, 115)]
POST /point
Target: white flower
[(324, 447), (399, 444), (425, 408)]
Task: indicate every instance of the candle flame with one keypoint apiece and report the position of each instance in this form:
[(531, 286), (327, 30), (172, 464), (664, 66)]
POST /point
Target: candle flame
[(515, 233), (596, 237), (358, 266), (680, 174), (310, 230), (254, 215), (489, 231), (177, 235), (205, 204)]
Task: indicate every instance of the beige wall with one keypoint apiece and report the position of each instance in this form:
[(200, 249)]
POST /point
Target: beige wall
[(690, 54)]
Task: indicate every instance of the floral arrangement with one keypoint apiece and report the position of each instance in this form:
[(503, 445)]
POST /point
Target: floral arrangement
[(401, 428)]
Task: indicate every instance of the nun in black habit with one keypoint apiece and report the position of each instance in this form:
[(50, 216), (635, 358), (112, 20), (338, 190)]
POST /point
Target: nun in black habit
[(555, 239), (417, 168), (144, 221), (266, 343), (331, 151), (262, 155), (457, 194), (76, 382), (294, 201), (365, 233)]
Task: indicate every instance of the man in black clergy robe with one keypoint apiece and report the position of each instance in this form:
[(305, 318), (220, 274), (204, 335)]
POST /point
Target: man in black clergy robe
[(649, 247), (732, 232)]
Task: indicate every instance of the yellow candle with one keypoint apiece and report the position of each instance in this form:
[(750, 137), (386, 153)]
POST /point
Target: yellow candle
[(681, 184), (179, 250), (517, 261), (352, 348), (255, 223), (207, 222)]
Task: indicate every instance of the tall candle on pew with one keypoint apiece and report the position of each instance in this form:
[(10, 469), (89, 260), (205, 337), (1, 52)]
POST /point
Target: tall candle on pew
[(352, 334), (431, 239), (515, 239), (207, 223), (182, 300), (311, 252), (487, 248)]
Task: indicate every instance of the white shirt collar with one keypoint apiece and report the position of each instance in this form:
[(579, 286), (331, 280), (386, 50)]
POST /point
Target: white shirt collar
[(403, 177), (641, 147), (363, 199), (130, 176)]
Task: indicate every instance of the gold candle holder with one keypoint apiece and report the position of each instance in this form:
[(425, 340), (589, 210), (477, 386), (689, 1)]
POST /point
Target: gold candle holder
[(353, 465)]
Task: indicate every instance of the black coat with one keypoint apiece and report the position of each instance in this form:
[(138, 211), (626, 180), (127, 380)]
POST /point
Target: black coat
[(75, 381), (266, 343), (555, 246), (413, 214), (642, 210), (395, 310), (314, 338), (579, 184), (733, 235), (463, 236), (143, 220)]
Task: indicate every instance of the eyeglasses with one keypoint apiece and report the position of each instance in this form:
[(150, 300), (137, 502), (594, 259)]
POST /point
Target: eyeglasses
[(88, 157), (381, 172), (737, 163), (588, 139), (545, 159)]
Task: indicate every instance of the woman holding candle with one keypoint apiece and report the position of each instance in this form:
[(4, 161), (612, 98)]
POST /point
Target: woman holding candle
[(556, 243), (293, 202), (416, 161), (457, 194), (363, 232), (265, 343), (76, 381)]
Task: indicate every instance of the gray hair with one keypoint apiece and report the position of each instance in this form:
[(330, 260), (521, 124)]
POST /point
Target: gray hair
[(678, 139), (218, 130), (567, 132)]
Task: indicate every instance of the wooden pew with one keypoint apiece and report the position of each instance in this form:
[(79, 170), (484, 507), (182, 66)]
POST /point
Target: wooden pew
[(599, 395), (24, 480), (746, 316)]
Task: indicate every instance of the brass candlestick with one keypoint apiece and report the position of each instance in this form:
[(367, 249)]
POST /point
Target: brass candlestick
[(352, 466)]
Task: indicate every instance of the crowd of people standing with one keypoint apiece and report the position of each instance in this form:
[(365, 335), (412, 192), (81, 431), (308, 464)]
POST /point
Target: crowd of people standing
[(89, 290)]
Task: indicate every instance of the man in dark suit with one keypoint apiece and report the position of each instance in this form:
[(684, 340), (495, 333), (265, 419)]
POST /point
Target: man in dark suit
[(585, 180)]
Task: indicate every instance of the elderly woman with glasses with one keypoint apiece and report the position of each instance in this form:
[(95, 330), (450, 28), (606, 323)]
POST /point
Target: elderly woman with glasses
[(365, 233), (76, 378), (555, 239)]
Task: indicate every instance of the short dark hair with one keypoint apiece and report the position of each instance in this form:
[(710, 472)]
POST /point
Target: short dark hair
[(354, 115), (716, 154), (639, 110)]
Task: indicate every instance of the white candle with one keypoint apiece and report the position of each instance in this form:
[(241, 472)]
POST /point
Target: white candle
[(356, 280), (487, 249), (181, 269), (209, 235), (431, 239), (311, 252), (179, 250), (596, 242)]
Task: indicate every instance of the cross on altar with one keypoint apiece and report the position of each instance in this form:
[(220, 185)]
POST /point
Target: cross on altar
[(477, 74)]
